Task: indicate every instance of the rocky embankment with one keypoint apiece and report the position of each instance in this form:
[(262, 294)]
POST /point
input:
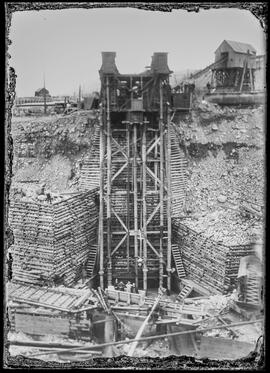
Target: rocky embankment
[(48, 152), (225, 150)]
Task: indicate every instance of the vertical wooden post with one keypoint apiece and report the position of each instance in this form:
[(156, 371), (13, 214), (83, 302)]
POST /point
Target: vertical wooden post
[(140, 331), (135, 182), (213, 78), (155, 164), (109, 176), (109, 334), (144, 207), (101, 200), (45, 103), (243, 75), (251, 79), (161, 190), (140, 194), (128, 191), (80, 97), (169, 198)]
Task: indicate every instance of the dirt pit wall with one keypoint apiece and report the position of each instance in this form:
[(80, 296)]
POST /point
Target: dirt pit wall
[(50, 150), (226, 169)]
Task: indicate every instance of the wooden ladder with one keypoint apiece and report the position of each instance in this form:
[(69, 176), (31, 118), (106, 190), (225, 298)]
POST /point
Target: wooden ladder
[(91, 261), (253, 289), (178, 261), (184, 293)]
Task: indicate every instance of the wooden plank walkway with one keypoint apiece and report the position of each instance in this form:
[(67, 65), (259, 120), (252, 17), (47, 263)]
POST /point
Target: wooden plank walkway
[(61, 297)]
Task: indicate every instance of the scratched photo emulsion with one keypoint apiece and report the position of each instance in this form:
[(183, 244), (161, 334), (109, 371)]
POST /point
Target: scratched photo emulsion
[(137, 201)]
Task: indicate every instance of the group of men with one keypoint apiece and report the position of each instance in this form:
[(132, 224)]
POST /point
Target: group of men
[(129, 287)]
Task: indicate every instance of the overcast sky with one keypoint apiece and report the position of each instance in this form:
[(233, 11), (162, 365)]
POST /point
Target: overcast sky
[(66, 45)]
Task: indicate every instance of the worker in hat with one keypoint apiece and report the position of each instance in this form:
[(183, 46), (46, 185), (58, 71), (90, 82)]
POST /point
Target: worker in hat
[(128, 287)]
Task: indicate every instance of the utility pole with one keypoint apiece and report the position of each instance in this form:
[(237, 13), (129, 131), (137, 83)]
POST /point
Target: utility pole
[(80, 95), (161, 188), (44, 95), (109, 183)]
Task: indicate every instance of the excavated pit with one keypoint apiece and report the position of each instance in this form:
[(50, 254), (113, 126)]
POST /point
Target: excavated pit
[(41, 152), (223, 151)]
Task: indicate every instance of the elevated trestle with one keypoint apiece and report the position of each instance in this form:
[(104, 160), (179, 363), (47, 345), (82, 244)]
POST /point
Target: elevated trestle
[(135, 185)]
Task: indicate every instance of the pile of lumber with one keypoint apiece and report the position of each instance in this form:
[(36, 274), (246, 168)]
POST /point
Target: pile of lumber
[(58, 311), (207, 262), (126, 301), (52, 241)]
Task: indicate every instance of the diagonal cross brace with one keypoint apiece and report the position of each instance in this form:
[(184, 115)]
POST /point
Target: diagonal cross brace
[(119, 171), (154, 177), (152, 247), (119, 147), (120, 220), (153, 213), (157, 141), (119, 244)]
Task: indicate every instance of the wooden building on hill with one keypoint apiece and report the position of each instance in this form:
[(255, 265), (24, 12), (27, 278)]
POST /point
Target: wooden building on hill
[(41, 92), (235, 65)]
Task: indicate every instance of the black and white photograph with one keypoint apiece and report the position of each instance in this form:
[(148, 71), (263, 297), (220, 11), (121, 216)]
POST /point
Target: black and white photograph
[(135, 185)]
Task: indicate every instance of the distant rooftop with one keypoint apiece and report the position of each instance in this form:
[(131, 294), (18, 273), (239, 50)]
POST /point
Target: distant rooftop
[(41, 89), (240, 47)]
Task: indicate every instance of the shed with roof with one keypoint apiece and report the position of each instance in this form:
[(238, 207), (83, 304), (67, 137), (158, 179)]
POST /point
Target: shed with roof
[(237, 53)]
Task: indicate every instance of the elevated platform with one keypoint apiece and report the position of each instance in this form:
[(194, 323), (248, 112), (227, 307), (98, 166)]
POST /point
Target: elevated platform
[(61, 298), (236, 98), (42, 311)]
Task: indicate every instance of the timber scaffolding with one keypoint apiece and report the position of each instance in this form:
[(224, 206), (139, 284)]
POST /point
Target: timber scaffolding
[(141, 166)]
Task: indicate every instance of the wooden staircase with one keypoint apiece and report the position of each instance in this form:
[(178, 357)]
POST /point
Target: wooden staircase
[(178, 261), (178, 175), (184, 293), (253, 289), (90, 264), (90, 171)]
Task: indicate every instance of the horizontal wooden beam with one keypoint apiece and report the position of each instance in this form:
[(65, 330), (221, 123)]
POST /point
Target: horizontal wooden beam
[(127, 341)]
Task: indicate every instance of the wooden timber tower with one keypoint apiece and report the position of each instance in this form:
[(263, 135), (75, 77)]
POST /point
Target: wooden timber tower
[(135, 182)]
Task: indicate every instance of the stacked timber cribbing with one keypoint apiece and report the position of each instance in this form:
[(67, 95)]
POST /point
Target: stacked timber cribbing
[(235, 254), (211, 264), (52, 241)]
